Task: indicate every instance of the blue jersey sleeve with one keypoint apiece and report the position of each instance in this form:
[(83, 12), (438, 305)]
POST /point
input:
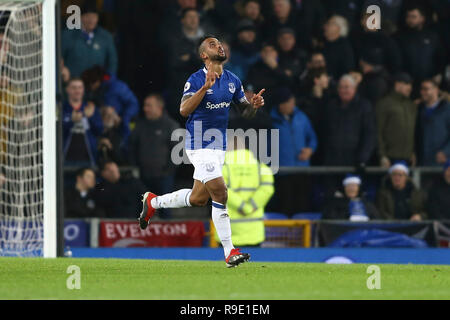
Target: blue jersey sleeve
[(192, 85), (239, 95)]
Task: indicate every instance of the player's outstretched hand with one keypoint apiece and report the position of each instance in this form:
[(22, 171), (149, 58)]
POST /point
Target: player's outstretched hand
[(211, 76), (257, 100)]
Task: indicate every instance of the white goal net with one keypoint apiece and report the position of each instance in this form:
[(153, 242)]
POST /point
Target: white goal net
[(21, 129)]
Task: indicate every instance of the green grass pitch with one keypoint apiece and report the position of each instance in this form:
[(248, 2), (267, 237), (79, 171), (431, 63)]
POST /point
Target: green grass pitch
[(36, 278)]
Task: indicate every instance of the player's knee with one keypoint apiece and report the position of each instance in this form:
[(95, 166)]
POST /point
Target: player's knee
[(221, 196), (197, 201)]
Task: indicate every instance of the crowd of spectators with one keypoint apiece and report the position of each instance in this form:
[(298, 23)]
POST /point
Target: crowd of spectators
[(341, 93)]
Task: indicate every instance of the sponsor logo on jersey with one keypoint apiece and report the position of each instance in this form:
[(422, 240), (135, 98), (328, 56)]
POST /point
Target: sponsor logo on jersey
[(231, 87), (221, 105), (187, 86), (209, 91)]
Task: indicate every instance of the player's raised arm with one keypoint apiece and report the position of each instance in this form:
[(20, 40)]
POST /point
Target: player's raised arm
[(190, 103), (248, 109)]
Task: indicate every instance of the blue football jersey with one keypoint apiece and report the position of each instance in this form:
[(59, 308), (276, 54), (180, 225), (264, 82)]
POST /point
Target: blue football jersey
[(207, 125)]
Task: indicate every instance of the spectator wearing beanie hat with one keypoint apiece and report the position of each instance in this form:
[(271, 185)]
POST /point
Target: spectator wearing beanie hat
[(348, 203), (438, 204), (398, 198)]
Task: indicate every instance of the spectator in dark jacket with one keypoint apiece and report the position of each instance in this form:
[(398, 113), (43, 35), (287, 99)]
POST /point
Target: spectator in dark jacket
[(396, 121), (375, 82), (119, 196), (151, 146), (91, 45), (268, 74), (398, 198), (82, 124), (349, 203), (350, 132), (107, 90), (110, 144), (79, 201), (291, 58), (298, 140), (313, 104), (337, 49), (422, 52), (376, 46), (316, 60), (438, 204), (433, 127)]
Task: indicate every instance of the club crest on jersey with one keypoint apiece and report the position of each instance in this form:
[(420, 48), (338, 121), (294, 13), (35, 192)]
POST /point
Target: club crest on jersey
[(209, 167), (231, 87)]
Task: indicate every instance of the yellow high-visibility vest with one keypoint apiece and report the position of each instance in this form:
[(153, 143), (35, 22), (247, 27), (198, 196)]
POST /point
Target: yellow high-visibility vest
[(250, 187)]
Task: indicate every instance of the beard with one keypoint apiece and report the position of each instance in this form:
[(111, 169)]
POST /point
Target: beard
[(219, 58)]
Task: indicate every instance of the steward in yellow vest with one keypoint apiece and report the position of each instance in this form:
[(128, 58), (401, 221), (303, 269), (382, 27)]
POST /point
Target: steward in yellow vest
[(250, 187)]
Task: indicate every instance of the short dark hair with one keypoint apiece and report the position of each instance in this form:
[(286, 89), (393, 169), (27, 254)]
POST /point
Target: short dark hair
[(157, 96), (418, 8), (202, 39), (314, 53), (92, 75), (104, 163), (432, 81), (315, 73), (74, 79), (89, 7), (186, 10), (80, 172)]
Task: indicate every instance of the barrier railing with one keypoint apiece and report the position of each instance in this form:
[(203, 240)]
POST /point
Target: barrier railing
[(296, 233)]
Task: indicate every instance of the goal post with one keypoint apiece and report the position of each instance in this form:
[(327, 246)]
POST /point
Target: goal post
[(28, 131), (49, 128)]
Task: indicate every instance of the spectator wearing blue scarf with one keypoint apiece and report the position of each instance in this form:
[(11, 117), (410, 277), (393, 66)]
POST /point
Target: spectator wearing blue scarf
[(349, 203)]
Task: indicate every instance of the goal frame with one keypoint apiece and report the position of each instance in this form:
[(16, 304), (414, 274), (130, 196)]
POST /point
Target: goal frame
[(52, 183), (49, 137)]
